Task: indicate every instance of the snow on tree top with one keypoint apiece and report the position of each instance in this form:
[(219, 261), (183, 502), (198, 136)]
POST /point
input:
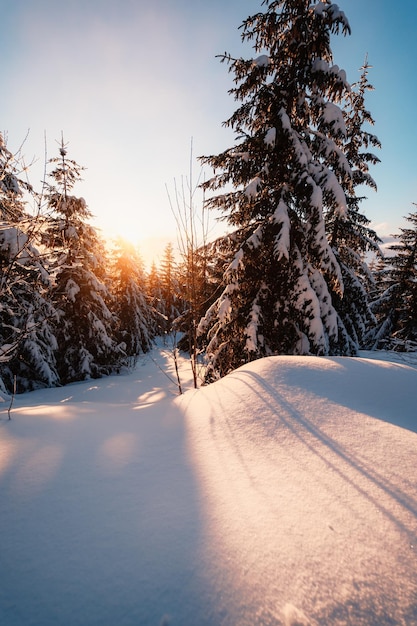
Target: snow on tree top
[(333, 186), (255, 239), (320, 65), (320, 8), (224, 310), (240, 155), (285, 120), (237, 261), (282, 240), (16, 242), (270, 136), (338, 15), (71, 289), (316, 198), (252, 189), (251, 329), (333, 116), (261, 61), (331, 9)]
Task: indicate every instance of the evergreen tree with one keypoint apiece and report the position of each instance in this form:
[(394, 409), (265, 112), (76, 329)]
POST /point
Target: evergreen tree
[(287, 171), (86, 328), (396, 307), (170, 297), (12, 206), (154, 291), (209, 263), (131, 305), (27, 342), (351, 237)]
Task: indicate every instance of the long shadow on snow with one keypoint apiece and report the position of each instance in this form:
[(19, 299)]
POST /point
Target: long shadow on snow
[(276, 402), (358, 384), (100, 520)]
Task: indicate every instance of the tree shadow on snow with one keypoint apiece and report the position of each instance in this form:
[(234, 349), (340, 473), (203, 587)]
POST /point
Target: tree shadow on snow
[(315, 440)]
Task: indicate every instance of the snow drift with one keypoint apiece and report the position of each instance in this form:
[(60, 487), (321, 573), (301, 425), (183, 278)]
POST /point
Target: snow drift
[(284, 494)]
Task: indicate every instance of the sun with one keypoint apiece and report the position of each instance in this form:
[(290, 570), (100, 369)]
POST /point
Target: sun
[(150, 248)]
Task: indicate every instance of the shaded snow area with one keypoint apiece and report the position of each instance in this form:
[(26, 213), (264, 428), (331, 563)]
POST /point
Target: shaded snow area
[(283, 494)]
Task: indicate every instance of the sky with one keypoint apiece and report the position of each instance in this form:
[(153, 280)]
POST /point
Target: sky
[(138, 93)]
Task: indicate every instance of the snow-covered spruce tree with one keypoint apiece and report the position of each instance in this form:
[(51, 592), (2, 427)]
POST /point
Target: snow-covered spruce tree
[(27, 339), (396, 307), (350, 236), (86, 328), (171, 304), (27, 342), (286, 170), (135, 314), (154, 291)]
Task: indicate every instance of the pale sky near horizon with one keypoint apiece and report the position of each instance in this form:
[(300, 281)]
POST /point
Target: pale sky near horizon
[(130, 83)]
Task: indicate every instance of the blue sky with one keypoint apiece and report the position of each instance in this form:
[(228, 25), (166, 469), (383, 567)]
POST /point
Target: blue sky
[(131, 82)]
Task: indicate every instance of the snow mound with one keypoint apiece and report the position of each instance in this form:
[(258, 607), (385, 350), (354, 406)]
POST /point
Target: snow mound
[(283, 494), (309, 491), (378, 388)]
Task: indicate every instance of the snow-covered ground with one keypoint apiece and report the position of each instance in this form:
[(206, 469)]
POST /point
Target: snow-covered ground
[(285, 493)]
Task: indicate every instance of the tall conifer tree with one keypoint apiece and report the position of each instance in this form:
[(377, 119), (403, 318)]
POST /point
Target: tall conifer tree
[(396, 306), (27, 342), (170, 289), (287, 171), (86, 328), (352, 238)]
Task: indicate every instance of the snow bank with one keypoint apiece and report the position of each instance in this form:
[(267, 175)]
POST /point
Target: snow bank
[(309, 492), (283, 494)]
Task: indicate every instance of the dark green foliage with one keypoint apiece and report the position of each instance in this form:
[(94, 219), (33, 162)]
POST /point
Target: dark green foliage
[(171, 304), (27, 342), (396, 306), (351, 238), (85, 331), (292, 167)]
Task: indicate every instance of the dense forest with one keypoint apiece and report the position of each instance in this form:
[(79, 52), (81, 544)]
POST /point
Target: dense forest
[(300, 270)]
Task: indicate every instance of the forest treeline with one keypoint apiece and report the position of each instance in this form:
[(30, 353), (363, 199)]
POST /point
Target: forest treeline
[(300, 270)]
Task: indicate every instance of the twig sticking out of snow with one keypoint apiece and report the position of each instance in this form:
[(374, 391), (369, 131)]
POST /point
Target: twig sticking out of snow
[(12, 398)]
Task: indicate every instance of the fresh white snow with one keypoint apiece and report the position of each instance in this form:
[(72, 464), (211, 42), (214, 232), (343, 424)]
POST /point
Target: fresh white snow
[(270, 137), (253, 187), (283, 494), (262, 61)]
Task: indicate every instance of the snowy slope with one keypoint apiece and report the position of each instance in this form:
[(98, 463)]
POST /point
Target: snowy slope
[(310, 498), (283, 494)]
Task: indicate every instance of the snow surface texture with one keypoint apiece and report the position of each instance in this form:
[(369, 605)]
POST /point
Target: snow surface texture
[(283, 494)]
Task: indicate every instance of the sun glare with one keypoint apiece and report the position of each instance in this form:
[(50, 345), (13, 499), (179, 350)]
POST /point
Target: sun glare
[(125, 234), (151, 249)]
